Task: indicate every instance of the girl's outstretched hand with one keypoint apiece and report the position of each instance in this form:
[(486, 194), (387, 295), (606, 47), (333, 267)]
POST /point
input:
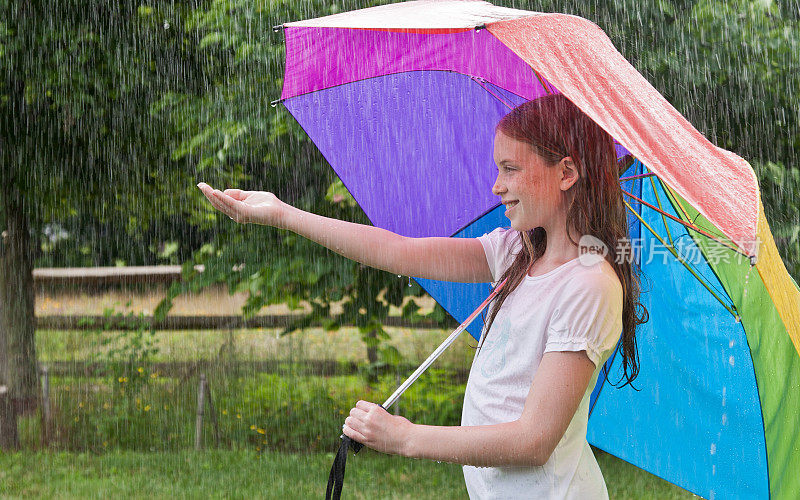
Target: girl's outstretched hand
[(372, 426), (259, 207)]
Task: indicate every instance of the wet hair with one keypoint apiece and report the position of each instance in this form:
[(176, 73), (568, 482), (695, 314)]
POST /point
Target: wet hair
[(556, 128)]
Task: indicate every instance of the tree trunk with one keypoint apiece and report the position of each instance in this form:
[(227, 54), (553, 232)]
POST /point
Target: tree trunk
[(18, 370), (372, 357)]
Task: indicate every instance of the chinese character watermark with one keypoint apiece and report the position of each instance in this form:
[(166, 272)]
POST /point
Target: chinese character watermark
[(592, 250)]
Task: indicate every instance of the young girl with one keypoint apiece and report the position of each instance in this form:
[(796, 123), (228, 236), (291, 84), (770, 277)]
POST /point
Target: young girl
[(550, 329)]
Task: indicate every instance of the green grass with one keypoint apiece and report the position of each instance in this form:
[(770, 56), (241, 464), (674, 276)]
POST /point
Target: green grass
[(220, 474), (625, 481), (245, 474)]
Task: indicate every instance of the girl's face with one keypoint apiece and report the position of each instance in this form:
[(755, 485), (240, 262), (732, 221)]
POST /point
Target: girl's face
[(533, 193)]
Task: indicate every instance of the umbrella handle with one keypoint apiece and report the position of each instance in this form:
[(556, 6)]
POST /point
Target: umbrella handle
[(355, 445)]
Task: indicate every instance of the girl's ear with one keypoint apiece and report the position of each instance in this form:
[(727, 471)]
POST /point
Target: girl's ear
[(569, 173)]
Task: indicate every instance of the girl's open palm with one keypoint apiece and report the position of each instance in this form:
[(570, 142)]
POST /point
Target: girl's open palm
[(259, 207)]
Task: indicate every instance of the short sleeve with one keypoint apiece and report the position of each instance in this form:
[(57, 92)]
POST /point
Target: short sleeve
[(588, 315), (500, 247)]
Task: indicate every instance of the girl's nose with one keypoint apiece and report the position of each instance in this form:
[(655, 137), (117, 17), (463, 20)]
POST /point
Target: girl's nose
[(498, 187)]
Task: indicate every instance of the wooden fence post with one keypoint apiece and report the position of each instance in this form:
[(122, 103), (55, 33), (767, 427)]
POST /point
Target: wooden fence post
[(203, 393), (198, 427), (214, 420), (46, 416)]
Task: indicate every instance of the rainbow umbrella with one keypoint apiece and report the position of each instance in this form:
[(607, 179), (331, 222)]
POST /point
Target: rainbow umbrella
[(402, 101)]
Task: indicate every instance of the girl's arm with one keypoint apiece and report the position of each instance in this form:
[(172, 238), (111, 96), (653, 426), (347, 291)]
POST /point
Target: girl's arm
[(448, 259), (556, 392)]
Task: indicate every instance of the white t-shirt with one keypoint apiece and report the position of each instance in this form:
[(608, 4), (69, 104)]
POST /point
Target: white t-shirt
[(571, 308)]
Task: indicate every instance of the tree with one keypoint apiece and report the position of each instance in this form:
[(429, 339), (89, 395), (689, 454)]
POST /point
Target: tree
[(77, 139)]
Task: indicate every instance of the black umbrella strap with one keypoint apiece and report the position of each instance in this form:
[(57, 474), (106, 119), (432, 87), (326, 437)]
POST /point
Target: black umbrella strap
[(336, 477)]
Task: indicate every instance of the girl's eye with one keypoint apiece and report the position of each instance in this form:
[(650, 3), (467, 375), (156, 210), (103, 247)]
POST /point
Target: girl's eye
[(506, 168)]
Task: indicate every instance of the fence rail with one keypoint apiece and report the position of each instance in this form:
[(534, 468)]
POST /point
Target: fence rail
[(80, 322), (99, 277), (94, 276), (178, 369)]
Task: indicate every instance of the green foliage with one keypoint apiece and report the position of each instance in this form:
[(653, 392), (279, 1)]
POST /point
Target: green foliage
[(77, 138), (337, 193), (436, 398), (124, 355), (730, 67), (81, 77), (287, 412), (283, 413), (126, 350), (135, 412)]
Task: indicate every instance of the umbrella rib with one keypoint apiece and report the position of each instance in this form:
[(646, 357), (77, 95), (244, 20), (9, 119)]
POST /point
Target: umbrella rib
[(541, 82), (730, 308), (661, 209), (687, 224), (481, 81), (674, 196), (632, 177)]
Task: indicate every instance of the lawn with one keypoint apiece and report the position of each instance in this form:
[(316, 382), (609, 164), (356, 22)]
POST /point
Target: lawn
[(245, 474)]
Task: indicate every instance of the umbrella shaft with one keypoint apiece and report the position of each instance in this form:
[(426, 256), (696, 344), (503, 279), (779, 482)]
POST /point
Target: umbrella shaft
[(439, 350), (424, 366)]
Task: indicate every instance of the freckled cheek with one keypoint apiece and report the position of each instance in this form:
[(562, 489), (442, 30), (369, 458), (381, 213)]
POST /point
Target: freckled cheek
[(533, 187)]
